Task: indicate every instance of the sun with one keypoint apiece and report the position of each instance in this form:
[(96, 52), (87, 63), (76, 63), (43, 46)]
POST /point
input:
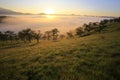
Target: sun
[(49, 11)]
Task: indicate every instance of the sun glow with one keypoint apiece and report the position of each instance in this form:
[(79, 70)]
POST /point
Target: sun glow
[(50, 11)]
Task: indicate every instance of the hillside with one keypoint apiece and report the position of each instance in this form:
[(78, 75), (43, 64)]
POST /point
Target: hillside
[(94, 57), (4, 11)]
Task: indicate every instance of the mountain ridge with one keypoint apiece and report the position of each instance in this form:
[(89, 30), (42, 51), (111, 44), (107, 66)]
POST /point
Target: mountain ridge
[(8, 11)]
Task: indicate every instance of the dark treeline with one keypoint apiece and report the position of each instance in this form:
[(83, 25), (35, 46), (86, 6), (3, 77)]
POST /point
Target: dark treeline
[(90, 28), (27, 35)]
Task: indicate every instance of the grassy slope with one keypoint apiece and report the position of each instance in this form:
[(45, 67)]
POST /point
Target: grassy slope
[(95, 57)]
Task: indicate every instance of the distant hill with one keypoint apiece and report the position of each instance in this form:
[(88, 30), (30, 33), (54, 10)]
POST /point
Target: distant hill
[(7, 11)]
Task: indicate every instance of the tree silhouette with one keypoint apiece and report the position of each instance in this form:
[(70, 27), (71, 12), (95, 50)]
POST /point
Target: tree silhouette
[(48, 34), (86, 27), (79, 31), (1, 36), (101, 26), (117, 19), (37, 35), (29, 35), (62, 36), (44, 37), (21, 35), (16, 37), (55, 33), (70, 34), (91, 26), (26, 34), (9, 35)]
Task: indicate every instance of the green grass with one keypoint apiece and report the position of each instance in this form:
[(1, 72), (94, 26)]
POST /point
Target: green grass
[(87, 58)]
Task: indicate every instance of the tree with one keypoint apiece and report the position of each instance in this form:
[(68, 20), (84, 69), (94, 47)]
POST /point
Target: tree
[(101, 26), (91, 26), (117, 19), (26, 34), (111, 20), (62, 36), (16, 37), (105, 21), (48, 34), (55, 33), (21, 35), (95, 24), (9, 35), (44, 37), (29, 34), (87, 27), (70, 34), (79, 31), (37, 35), (1, 36)]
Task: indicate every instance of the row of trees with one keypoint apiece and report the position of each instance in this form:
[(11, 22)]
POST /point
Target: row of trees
[(27, 35), (86, 29)]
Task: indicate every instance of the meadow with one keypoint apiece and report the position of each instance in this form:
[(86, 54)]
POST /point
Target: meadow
[(93, 57)]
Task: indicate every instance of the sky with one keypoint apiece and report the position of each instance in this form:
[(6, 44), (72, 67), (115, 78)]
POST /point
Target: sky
[(82, 7)]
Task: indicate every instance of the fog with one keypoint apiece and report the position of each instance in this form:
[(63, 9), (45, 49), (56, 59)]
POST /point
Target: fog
[(47, 22)]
